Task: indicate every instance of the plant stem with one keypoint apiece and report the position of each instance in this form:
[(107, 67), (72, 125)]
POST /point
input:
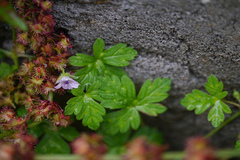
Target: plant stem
[(222, 154), (232, 103), (50, 96), (222, 125)]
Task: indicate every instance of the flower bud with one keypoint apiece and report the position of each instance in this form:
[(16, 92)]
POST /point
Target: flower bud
[(46, 5)]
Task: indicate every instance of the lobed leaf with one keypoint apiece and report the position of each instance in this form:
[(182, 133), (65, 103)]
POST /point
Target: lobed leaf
[(81, 60), (213, 86), (216, 115), (236, 95), (151, 109), (197, 100), (87, 76), (91, 113), (118, 55), (52, 143), (201, 101), (121, 121), (69, 133), (98, 47), (154, 92), (115, 93), (85, 108), (104, 62)]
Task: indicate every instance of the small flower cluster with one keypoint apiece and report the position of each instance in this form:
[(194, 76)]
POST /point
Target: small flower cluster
[(141, 149), (22, 142), (33, 84), (91, 147), (40, 74), (50, 110), (198, 148), (9, 151)]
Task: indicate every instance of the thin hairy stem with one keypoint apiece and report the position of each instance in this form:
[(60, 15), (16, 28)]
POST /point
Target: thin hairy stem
[(211, 133), (232, 103), (222, 154)]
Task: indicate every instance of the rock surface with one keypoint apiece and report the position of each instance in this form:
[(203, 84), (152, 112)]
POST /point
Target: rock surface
[(185, 40)]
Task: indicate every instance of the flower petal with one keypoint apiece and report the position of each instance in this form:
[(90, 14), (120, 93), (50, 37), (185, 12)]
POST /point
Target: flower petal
[(58, 86), (74, 84), (64, 78), (66, 85)]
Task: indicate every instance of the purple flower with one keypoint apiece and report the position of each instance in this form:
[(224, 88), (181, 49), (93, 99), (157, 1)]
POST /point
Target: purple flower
[(66, 83)]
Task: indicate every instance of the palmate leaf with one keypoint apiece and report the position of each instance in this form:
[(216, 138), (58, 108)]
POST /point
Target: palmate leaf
[(120, 94), (151, 93), (201, 101), (103, 63), (52, 143), (121, 121), (85, 107), (216, 115), (118, 55), (115, 93)]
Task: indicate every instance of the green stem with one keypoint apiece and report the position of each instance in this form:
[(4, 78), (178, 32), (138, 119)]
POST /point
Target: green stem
[(222, 125), (50, 96), (25, 56), (222, 154), (232, 103)]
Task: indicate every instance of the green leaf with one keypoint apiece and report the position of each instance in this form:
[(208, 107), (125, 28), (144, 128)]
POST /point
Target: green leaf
[(213, 86), (198, 100), (115, 93), (87, 76), (81, 60), (151, 109), (103, 63), (69, 133), (9, 16), (5, 70), (112, 70), (74, 105), (118, 55), (216, 115), (152, 134), (201, 101), (117, 139), (236, 95), (37, 131), (98, 47), (22, 112), (85, 108), (52, 143), (121, 121), (154, 92)]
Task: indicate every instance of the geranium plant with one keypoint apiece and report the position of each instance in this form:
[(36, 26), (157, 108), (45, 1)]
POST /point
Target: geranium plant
[(104, 97)]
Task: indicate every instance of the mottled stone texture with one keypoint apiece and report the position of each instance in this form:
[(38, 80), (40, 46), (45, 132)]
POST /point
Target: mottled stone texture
[(185, 40)]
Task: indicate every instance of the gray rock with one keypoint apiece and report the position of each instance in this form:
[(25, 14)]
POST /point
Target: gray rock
[(185, 40)]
